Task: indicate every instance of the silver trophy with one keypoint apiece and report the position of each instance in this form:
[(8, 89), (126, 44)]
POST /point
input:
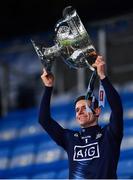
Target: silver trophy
[(72, 44)]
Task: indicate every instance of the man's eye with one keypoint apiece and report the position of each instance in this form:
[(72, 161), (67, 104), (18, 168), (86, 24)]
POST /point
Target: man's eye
[(77, 110), (84, 108)]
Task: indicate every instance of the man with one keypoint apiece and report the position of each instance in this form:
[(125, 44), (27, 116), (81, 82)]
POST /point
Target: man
[(93, 152)]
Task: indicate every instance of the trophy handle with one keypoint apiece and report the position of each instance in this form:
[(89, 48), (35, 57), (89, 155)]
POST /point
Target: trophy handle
[(59, 23), (40, 52), (67, 11), (37, 49)]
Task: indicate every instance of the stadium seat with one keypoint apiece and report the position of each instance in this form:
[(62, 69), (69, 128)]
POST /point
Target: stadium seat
[(125, 168), (64, 174), (21, 160)]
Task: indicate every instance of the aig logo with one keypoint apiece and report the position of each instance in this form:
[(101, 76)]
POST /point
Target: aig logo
[(87, 152)]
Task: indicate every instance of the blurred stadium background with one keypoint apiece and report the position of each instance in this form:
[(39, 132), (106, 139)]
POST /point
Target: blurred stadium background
[(26, 151)]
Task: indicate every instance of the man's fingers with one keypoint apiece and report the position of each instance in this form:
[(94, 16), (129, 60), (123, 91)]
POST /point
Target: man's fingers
[(45, 72), (94, 65), (97, 63), (99, 59), (42, 76)]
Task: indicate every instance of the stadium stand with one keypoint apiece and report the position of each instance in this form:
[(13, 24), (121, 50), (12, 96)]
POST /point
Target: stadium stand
[(26, 151)]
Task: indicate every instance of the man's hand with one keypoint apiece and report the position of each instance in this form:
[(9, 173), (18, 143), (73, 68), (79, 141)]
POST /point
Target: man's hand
[(47, 78), (100, 67)]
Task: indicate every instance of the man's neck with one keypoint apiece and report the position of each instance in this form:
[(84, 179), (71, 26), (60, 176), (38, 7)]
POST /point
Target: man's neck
[(90, 125)]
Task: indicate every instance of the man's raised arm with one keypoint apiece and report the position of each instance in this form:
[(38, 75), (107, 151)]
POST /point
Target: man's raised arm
[(116, 118), (56, 132)]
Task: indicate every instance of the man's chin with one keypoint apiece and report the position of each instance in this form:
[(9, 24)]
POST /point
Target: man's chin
[(82, 124)]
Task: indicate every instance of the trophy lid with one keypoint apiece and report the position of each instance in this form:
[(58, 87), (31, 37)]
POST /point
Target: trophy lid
[(69, 10)]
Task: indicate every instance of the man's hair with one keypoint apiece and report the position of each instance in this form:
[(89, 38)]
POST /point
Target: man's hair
[(84, 98)]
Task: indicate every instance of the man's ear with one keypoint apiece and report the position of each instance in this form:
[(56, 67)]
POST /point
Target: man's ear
[(97, 111)]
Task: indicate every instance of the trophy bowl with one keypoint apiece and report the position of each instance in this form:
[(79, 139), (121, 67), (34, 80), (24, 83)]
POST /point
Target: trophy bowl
[(77, 49)]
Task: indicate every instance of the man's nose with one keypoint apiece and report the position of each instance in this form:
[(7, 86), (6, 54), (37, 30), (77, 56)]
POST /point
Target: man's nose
[(81, 111)]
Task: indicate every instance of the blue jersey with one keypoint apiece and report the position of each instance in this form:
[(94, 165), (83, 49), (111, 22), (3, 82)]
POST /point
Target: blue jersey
[(93, 152)]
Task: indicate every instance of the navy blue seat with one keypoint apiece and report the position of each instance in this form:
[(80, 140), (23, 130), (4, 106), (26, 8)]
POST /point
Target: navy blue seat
[(125, 168), (63, 174), (21, 160), (45, 175)]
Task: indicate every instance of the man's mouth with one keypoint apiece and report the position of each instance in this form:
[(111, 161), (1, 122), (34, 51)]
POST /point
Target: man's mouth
[(82, 117)]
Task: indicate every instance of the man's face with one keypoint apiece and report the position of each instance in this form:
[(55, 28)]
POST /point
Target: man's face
[(84, 118)]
